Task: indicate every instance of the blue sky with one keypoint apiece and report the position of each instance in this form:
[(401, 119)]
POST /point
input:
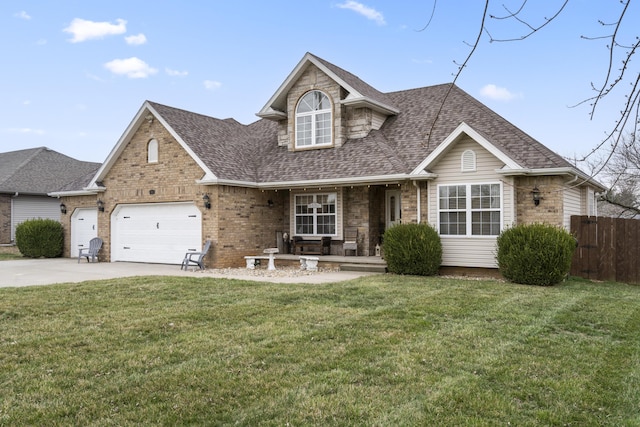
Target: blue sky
[(75, 73)]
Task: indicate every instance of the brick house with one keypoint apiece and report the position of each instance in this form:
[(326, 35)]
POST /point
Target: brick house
[(26, 177), (329, 152)]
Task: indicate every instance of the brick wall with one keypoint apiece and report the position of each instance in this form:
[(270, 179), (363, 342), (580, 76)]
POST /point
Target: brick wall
[(5, 218), (551, 208), (247, 224)]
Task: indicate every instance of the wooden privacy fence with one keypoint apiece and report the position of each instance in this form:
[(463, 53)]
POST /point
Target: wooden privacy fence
[(608, 248)]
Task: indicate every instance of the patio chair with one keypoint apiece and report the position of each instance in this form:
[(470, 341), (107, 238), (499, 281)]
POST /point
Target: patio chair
[(92, 251), (350, 240), (199, 257)]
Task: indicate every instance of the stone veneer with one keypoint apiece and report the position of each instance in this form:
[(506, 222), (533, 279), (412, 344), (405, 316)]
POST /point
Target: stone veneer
[(348, 122)]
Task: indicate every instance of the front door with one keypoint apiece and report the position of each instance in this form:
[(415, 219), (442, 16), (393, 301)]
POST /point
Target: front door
[(393, 213)]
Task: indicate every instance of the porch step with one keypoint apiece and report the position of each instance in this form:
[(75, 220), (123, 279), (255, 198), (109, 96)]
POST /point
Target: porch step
[(370, 268)]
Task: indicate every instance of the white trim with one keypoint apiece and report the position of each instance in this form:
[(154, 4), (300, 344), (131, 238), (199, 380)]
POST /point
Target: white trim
[(313, 114), (364, 180), (469, 209), (445, 145), (126, 137), (279, 97)]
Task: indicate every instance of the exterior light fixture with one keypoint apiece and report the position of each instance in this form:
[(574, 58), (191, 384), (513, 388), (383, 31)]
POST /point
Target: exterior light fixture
[(63, 208), (270, 203), (100, 204), (207, 201), (536, 196)]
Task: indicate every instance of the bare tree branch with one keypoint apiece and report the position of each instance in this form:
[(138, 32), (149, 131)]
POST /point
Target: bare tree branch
[(533, 30), (460, 68)]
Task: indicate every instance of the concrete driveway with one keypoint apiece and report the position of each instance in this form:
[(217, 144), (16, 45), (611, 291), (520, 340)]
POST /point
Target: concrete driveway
[(30, 272)]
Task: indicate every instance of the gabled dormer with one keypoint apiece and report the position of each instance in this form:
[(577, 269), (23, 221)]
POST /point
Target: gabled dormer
[(321, 105)]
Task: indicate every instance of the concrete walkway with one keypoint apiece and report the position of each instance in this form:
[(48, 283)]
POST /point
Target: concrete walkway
[(30, 272)]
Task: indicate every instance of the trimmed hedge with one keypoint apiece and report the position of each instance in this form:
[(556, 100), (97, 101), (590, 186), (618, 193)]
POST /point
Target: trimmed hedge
[(37, 238), (413, 249), (535, 254)]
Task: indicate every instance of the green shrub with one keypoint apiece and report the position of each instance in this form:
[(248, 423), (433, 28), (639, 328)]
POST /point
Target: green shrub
[(37, 238), (412, 249), (535, 254)]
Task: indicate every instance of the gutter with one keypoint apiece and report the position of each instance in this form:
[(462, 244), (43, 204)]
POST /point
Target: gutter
[(341, 182)]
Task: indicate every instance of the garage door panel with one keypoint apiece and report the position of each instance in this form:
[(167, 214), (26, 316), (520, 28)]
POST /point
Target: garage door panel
[(157, 233)]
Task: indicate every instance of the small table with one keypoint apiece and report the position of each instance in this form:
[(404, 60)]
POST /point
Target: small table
[(271, 252)]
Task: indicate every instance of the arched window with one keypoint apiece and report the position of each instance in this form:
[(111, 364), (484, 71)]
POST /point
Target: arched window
[(313, 120), (152, 151), (468, 163)]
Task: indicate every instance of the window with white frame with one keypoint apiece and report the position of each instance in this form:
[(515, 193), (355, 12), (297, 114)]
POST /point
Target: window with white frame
[(152, 151), (313, 120), (316, 214), (470, 209)]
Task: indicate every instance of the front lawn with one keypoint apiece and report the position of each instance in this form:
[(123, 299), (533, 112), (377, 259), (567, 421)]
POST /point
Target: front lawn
[(382, 350), (9, 252)]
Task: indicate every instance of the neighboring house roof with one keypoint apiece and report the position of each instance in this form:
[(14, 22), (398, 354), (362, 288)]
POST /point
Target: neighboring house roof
[(39, 171), (417, 124)]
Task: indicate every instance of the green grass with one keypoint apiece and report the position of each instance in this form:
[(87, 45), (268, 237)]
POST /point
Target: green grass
[(9, 252), (382, 350)]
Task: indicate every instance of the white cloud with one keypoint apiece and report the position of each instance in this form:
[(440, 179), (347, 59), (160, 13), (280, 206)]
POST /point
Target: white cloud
[(176, 73), (212, 84), (136, 40), (25, 131), (22, 15), (41, 42), (134, 68), (83, 30), (363, 10), (498, 93)]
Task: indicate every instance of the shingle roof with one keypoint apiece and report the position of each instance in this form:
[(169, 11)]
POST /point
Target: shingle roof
[(233, 151), (40, 171)]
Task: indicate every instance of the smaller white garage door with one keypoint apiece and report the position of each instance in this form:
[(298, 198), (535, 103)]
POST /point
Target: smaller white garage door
[(84, 227), (156, 232)]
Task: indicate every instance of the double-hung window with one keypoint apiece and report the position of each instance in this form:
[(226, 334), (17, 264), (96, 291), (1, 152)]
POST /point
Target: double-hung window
[(313, 120), (470, 209), (316, 214)]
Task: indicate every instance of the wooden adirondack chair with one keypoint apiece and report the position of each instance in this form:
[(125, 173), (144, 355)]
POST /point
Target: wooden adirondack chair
[(199, 257), (92, 251)]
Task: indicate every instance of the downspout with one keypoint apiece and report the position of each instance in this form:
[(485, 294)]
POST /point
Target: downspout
[(419, 211)]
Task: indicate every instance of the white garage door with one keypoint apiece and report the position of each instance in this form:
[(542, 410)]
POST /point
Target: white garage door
[(156, 233), (84, 227)]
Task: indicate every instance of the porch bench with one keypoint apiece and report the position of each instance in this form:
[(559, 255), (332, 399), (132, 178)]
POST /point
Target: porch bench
[(311, 247), (251, 260), (309, 263)]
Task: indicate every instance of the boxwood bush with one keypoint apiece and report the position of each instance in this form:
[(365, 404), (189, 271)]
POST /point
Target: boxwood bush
[(535, 254), (412, 249), (37, 238)]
